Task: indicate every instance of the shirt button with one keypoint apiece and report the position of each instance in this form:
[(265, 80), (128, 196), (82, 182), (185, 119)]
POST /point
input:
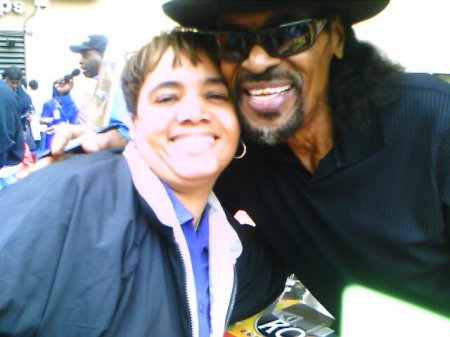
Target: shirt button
[(200, 307)]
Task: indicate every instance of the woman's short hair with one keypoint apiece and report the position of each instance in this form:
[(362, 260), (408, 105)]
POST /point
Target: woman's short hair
[(146, 59)]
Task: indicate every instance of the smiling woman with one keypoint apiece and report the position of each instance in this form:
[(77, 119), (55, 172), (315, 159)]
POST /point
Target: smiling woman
[(184, 123), (136, 243)]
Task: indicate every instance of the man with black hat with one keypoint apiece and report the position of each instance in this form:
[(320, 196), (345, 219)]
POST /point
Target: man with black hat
[(347, 169)]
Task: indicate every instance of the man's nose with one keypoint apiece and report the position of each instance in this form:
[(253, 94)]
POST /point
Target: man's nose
[(258, 61)]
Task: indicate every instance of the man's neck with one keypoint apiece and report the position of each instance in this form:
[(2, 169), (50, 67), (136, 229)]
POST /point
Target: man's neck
[(312, 141)]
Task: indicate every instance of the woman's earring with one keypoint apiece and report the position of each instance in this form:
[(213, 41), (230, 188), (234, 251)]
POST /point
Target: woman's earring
[(244, 151)]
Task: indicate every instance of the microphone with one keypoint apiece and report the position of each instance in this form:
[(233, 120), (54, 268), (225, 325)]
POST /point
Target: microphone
[(74, 73)]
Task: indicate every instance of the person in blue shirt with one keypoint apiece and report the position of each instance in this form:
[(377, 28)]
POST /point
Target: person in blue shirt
[(61, 108)]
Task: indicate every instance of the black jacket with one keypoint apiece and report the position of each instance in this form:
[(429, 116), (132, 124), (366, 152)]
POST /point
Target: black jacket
[(83, 254)]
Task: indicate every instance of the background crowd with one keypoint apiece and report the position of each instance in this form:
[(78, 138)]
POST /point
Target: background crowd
[(38, 125)]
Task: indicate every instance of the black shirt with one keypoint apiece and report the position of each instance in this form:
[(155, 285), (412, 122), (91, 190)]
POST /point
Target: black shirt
[(376, 211)]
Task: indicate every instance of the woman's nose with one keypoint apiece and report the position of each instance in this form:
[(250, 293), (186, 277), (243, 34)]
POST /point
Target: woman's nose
[(193, 111)]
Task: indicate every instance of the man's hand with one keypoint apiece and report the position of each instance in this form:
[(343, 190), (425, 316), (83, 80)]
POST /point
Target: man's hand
[(86, 137), (83, 135)]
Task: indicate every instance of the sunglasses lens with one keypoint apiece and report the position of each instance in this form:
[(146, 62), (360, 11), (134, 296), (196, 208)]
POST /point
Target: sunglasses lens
[(232, 46), (280, 41), (288, 39)]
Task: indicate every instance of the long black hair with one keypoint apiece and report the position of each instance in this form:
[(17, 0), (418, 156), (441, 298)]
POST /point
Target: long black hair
[(356, 81)]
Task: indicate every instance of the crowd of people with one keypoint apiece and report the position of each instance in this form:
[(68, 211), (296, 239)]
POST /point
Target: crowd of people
[(340, 160), (16, 138), (60, 110)]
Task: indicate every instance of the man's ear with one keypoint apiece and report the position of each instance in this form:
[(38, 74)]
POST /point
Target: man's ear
[(338, 35)]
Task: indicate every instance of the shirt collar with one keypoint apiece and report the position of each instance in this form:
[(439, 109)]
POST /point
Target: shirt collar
[(351, 145), (183, 215), (185, 218)]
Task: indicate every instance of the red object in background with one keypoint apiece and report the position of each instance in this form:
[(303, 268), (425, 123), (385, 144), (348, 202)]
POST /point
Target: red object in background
[(28, 159)]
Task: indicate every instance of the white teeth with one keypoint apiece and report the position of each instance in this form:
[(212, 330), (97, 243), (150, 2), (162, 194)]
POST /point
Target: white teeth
[(195, 140), (268, 91), (194, 144)]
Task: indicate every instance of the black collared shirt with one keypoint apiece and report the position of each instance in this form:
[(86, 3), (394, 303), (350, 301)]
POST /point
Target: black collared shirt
[(376, 211)]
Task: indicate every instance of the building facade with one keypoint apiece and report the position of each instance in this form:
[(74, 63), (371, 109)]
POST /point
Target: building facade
[(35, 34)]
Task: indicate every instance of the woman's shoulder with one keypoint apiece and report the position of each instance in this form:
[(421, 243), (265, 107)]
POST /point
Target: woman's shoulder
[(97, 163), (88, 173)]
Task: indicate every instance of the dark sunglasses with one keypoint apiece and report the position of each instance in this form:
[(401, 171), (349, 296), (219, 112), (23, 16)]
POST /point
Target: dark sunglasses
[(280, 41)]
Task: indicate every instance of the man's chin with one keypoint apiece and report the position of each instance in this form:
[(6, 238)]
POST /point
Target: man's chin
[(266, 136), (269, 129), (262, 133)]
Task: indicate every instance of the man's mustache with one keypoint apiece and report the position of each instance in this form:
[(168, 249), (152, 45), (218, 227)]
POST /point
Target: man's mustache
[(268, 75)]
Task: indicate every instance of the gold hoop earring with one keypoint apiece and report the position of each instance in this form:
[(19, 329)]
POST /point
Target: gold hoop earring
[(244, 151)]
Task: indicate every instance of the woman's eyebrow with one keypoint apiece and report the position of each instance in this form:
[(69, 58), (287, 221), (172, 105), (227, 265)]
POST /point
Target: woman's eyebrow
[(176, 84), (216, 80), (167, 84)]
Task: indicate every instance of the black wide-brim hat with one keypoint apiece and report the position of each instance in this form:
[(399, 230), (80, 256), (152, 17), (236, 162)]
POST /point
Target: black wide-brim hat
[(203, 13)]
